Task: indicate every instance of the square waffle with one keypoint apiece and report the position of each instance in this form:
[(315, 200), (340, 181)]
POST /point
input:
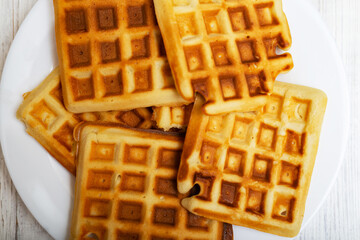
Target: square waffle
[(126, 188), (48, 121), (111, 56), (172, 118), (254, 169), (226, 50)]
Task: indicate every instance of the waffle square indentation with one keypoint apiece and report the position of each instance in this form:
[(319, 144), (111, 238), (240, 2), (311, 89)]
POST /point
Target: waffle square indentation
[(235, 161), (110, 51), (228, 87), (102, 151), (130, 211), (79, 55), (265, 14), (166, 186), (256, 84), (261, 170), (64, 135), (239, 18), (140, 47), (43, 114), (83, 88), (271, 45), (166, 216), (136, 154), (214, 124), (289, 174), (113, 84), (131, 118), (200, 86), (299, 109), (143, 80), (211, 22), (208, 153), (107, 18), (194, 58), (136, 16), (93, 231), (56, 93), (295, 142), (187, 25), (75, 21), (169, 158), (220, 55), (256, 201), (267, 136), (99, 179), (283, 208), (206, 184), (247, 51), (229, 194), (197, 222), (167, 76), (133, 182), (242, 129), (273, 106), (121, 235), (97, 208)]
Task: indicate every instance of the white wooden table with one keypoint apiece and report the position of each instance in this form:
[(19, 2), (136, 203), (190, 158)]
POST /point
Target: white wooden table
[(338, 218)]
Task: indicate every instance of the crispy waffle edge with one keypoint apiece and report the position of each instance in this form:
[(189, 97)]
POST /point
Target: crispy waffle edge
[(20, 114)]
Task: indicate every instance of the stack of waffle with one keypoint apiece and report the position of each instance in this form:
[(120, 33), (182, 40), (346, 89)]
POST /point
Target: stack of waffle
[(173, 122)]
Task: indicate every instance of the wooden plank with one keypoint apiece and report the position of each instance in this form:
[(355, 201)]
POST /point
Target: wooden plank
[(27, 226), (7, 190), (16, 220), (7, 203)]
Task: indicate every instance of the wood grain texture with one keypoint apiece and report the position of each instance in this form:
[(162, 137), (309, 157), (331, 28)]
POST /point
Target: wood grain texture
[(338, 218)]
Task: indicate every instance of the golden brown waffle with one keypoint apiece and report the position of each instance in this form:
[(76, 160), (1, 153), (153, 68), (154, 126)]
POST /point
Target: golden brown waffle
[(126, 188), (225, 49), (48, 121), (112, 56), (254, 170), (172, 118)]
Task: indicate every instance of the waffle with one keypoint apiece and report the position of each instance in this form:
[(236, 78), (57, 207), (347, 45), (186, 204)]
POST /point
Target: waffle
[(172, 118), (254, 169), (112, 56), (226, 50), (48, 121), (126, 188)]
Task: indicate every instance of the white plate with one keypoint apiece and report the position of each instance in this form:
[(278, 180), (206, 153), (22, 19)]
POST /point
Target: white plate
[(47, 188)]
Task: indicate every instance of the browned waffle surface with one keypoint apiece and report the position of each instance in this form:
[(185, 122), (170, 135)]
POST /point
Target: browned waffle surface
[(254, 169), (126, 188), (172, 118), (225, 49), (48, 121), (112, 56)]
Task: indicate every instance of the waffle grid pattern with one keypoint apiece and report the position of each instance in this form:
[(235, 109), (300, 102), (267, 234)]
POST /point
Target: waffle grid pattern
[(227, 49), (129, 190), (253, 167), (52, 125), (112, 52)]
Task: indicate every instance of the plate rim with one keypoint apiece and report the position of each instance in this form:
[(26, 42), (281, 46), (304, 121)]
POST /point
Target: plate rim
[(334, 49)]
